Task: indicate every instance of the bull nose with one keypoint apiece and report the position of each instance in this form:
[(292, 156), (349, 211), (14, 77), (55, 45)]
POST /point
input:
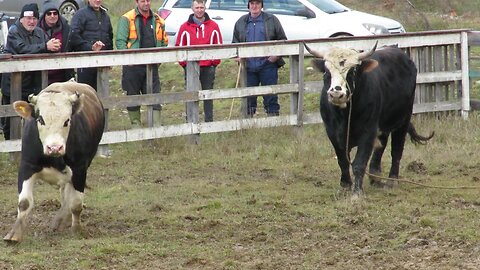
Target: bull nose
[(338, 88), (54, 149)]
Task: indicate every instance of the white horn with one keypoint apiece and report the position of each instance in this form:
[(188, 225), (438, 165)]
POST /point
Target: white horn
[(365, 55), (32, 99), (313, 52)]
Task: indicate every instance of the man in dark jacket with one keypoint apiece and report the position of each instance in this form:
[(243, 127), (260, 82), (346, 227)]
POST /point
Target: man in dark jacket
[(254, 27), (56, 26), (24, 37), (91, 31)]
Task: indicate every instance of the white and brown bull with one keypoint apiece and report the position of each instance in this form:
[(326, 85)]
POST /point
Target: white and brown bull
[(63, 126)]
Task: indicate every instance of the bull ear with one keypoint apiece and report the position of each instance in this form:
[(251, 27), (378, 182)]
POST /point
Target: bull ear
[(23, 109), (32, 99), (369, 65), (319, 64)]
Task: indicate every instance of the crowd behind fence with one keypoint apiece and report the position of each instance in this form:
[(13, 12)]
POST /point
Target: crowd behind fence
[(441, 57)]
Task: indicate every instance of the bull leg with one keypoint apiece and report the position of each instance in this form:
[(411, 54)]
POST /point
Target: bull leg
[(345, 179), (62, 218), (25, 205), (398, 143), (359, 164), (75, 202), (376, 160)]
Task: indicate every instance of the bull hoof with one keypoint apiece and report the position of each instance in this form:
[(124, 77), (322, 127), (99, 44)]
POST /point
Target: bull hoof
[(12, 238)]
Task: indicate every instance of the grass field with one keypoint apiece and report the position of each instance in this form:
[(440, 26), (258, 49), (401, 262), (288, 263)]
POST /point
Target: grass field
[(261, 199)]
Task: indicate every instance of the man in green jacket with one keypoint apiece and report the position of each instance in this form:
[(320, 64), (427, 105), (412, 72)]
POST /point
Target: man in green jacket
[(140, 28)]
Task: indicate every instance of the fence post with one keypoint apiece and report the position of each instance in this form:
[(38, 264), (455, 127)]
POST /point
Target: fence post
[(297, 76), (103, 91), (149, 90), (465, 77), (243, 83), (193, 84), (15, 122)]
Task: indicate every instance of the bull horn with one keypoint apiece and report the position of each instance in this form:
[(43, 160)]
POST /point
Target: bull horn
[(32, 99), (365, 55), (74, 97), (313, 52)]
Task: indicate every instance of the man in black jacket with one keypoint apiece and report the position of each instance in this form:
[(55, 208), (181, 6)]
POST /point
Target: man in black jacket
[(91, 31), (24, 37), (259, 26)]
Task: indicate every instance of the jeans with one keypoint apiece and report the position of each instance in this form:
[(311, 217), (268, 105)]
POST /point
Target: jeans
[(267, 75)]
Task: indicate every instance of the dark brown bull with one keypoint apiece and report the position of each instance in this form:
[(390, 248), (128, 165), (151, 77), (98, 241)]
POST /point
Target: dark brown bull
[(366, 98)]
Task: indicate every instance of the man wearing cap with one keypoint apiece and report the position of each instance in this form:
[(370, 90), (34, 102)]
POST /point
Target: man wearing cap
[(91, 31), (24, 37), (55, 26), (259, 26)]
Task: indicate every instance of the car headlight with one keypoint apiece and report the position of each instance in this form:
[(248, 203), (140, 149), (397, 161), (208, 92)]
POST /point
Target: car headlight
[(376, 29)]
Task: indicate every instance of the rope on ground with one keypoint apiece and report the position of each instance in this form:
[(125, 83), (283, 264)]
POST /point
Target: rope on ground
[(420, 184)]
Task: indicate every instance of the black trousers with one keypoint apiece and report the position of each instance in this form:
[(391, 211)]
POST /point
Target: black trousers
[(134, 82)]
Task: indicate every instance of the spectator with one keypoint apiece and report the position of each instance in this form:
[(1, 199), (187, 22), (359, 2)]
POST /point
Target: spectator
[(91, 31), (140, 28), (56, 26), (24, 37), (253, 27), (201, 30)]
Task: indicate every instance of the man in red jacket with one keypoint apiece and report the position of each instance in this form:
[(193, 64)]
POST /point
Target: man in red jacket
[(200, 30)]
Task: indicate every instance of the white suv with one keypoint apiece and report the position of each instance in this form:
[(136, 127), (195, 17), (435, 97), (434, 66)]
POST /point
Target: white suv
[(301, 19)]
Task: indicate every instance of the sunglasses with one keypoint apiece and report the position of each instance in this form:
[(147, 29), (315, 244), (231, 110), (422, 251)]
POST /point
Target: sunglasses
[(52, 13)]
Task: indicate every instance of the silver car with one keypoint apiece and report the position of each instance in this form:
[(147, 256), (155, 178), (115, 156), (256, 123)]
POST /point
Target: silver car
[(67, 8)]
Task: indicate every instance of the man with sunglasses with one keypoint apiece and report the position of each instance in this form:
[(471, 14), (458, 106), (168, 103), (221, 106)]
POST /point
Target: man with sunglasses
[(24, 37), (56, 27)]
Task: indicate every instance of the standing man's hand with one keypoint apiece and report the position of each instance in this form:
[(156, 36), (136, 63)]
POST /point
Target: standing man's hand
[(97, 46), (273, 59)]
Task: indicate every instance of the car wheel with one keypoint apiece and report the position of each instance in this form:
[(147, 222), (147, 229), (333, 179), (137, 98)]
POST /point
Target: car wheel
[(67, 9)]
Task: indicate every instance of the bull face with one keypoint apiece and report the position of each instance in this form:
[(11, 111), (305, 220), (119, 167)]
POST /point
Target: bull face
[(339, 62), (53, 114)]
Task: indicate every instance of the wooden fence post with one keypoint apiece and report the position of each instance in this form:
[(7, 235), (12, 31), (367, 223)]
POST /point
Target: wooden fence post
[(103, 91), (15, 122), (149, 90), (193, 84)]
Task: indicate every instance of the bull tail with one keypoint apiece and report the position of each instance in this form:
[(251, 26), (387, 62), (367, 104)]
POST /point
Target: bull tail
[(417, 138)]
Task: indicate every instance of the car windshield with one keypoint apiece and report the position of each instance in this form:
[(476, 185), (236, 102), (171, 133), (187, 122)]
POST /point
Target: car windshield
[(329, 6)]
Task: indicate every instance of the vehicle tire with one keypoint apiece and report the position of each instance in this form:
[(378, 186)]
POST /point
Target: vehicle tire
[(67, 9)]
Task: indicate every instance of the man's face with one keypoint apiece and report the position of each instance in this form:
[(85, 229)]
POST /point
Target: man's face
[(29, 22), (144, 5), (95, 4), (51, 17), (198, 10), (255, 8)]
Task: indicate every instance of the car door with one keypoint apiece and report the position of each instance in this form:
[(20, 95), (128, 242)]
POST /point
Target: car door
[(226, 13)]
